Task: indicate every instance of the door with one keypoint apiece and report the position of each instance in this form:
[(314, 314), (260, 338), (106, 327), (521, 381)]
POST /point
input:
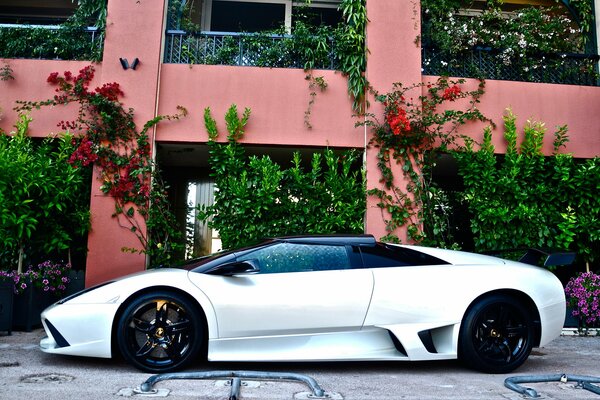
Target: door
[(302, 288)]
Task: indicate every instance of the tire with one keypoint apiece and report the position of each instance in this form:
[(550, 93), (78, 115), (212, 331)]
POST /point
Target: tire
[(160, 332), (496, 335)]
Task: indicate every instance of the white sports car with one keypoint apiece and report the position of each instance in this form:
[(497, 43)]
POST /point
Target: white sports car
[(315, 298)]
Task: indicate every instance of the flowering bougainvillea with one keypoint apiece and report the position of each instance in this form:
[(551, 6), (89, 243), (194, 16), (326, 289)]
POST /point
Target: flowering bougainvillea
[(108, 138), (451, 93), (48, 276), (583, 292), (414, 131), (397, 119)]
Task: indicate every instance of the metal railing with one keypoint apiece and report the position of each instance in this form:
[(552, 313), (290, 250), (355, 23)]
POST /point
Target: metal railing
[(245, 49), (51, 42), (567, 68)]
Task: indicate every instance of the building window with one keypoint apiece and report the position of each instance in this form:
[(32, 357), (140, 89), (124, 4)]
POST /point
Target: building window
[(264, 15), (245, 16), (36, 12)]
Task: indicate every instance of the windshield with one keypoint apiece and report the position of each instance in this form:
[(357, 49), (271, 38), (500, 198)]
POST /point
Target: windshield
[(206, 263)]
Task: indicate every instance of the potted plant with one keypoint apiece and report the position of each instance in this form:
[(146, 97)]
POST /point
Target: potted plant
[(583, 294), (35, 289), (44, 215)]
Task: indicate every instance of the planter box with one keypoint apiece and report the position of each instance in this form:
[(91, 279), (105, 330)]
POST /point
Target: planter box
[(28, 306), (76, 282), (570, 320), (6, 306)]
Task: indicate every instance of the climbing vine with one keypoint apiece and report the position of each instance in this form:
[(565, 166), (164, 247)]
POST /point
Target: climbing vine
[(418, 125), (352, 50), (108, 138)]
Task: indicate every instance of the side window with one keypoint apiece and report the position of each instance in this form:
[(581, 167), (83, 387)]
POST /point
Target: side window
[(382, 255), (294, 257)]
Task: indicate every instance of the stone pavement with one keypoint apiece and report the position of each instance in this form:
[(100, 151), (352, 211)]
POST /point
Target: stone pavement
[(27, 373)]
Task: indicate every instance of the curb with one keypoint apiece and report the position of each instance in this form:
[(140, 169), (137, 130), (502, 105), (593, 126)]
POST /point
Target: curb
[(582, 332)]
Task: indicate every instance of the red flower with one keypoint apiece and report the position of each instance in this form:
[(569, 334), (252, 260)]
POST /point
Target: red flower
[(110, 91), (84, 155), (53, 78), (451, 93), (397, 120)]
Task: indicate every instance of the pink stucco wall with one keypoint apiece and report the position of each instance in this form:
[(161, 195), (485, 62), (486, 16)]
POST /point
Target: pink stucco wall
[(278, 98), (29, 84), (133, 30), (555, 105), (393, 57)]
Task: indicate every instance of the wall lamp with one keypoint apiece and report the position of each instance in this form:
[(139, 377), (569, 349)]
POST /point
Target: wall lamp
[(125, 64)]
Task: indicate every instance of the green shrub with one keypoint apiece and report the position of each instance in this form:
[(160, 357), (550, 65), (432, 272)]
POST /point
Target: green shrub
[(257, 198)]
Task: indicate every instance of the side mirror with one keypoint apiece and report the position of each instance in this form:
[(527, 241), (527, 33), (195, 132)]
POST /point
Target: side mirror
[(235, 268)]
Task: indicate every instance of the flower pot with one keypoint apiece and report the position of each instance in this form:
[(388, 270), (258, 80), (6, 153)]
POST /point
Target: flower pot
[(570, 320), (76, 282), (6, 306), (28, 306)]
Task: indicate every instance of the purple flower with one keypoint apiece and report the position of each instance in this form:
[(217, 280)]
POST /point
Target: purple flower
[(583, 292)]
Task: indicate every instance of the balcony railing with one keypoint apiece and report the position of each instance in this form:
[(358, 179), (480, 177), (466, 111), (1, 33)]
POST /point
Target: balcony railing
[(51, 42), (246, 49), (573, 69)]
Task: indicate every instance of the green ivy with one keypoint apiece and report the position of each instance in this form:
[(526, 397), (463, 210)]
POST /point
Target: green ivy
[(258, 198), (352, 50), (526, 199)]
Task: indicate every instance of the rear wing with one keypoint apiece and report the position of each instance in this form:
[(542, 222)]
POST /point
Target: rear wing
[(540, 257)]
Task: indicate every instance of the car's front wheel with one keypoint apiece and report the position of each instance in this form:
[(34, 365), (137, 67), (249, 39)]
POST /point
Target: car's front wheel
[(496, 335), (160, 332)]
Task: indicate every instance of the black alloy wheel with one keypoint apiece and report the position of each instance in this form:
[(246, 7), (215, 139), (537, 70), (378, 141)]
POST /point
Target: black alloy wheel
[(160, 332), (496, 335)]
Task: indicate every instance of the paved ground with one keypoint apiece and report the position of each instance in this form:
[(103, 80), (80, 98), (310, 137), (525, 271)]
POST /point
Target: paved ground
[(27, 373)]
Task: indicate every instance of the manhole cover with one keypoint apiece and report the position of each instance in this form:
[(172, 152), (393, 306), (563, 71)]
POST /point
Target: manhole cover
[(42, 378)]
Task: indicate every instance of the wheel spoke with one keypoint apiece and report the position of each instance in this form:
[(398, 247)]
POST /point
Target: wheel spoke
[(516, 331), (505, 350), (178, 327), (503, 316), (169, 350), (142, 326), (161, 312), (485, 346), (145, 349)]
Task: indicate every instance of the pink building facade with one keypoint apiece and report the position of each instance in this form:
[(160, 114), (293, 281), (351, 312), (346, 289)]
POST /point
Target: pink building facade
[(278, 98)]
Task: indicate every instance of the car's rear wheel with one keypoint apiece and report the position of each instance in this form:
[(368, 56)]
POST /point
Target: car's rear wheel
[(496, 335), (160, 332)]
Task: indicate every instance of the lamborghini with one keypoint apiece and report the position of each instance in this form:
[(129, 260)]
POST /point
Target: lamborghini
[(317, 298)]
